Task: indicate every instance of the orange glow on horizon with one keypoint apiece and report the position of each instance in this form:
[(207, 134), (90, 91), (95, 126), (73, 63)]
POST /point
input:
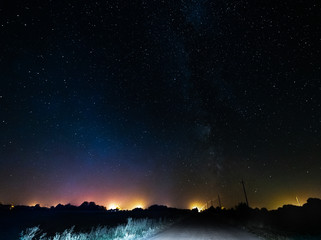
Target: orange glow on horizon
[(125, 204), (196, 204), (112, 206), (113, 203), (137, 204), (32, 204), (288, 200)]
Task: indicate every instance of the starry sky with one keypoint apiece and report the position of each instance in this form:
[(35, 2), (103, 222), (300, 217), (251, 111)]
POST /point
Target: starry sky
[(168, 102)]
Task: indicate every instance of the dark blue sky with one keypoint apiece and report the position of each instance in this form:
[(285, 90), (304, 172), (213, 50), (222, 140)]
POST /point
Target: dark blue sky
[(165, 102)]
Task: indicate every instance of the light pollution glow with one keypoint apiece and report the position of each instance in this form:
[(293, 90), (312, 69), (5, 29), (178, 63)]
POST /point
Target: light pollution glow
[(197, 204), (140, 199), (141, 203)]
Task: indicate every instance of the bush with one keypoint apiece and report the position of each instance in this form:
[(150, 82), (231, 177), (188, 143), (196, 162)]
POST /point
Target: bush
[(134, 229)]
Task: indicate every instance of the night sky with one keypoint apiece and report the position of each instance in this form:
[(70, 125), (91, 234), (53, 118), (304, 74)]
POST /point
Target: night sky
[(160, 102)]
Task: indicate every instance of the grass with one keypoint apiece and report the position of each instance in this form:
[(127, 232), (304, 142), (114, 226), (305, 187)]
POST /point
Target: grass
[(134, 229)]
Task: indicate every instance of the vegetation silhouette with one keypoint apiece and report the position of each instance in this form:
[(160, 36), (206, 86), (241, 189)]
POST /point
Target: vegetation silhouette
[(288, 220)]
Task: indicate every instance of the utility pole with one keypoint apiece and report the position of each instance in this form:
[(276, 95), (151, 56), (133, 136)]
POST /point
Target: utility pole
[(219, 201), (247, 202)]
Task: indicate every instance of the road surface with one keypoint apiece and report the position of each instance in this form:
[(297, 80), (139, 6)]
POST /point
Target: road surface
[(205, 232)]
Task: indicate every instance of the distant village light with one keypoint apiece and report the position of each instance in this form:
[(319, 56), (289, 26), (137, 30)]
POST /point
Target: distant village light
[(197, 205), (139, 206), (113, 206)]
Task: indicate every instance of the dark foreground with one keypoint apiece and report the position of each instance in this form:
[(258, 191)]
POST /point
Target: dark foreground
[(198, 229), (288, 222), (202, 233)]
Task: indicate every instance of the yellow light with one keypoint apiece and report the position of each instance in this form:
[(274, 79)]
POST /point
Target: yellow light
[(197, 205), (32, 204), (136, 203), (113, 206), (139, 206)]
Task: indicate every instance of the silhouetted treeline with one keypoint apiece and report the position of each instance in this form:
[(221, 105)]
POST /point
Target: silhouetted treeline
[(286, 220), (14, 219), (86, 206)]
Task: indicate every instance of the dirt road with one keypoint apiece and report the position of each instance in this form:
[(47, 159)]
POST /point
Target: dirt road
[(197, 232)]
